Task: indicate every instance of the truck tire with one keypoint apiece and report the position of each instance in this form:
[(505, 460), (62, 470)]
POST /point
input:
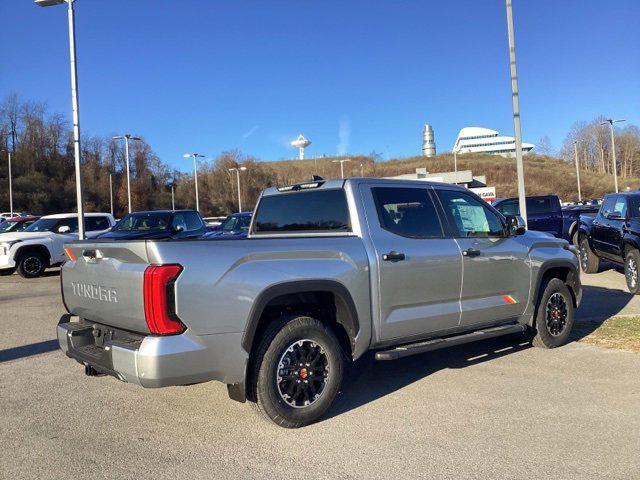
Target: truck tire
[(631, 266), (554, 316), (297, 371), (589, 261), (31, 264)]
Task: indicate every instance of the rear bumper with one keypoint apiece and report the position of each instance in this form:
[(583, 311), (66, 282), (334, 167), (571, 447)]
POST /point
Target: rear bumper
[(153, 361)]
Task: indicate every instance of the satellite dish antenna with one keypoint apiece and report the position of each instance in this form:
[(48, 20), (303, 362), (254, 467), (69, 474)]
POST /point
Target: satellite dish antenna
[(301, 143)]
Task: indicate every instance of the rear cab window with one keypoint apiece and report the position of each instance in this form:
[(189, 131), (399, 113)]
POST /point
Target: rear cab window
[(303, 212)]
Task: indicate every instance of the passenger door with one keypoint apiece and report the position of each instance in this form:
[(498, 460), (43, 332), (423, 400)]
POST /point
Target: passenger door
[(600, 225), (496, 278), (66, 230), (612, 230), (419, 270)]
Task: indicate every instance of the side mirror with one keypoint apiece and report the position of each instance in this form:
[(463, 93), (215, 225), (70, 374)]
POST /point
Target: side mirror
[(614, 215), (64, 229), (516, 225), (178, 229)]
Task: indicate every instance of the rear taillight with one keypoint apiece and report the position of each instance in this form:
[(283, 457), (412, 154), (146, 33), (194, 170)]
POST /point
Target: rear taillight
[(159, 299)]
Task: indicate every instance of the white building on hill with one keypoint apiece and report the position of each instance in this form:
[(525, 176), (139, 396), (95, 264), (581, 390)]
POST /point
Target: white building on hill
[(484, 140)]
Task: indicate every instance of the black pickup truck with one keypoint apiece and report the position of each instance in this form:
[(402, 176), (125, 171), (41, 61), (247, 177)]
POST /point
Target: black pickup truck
[(613, 235)]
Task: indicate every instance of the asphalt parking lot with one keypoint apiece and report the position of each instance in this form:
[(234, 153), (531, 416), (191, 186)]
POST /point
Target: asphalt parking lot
[(498, 409)]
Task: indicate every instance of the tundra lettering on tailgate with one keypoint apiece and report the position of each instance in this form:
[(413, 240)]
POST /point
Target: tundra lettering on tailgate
[(95, 292)]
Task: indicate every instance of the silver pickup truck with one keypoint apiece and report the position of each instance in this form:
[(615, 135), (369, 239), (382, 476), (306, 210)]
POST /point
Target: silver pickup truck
[(329, 270)]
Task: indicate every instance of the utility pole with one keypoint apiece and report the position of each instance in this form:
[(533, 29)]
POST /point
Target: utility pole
[(575, 148), (611, 121), (522, 199)]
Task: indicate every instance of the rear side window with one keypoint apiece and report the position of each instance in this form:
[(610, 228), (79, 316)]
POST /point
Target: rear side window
[(539, 205), (93, 224), (316, 211), (408, 212)]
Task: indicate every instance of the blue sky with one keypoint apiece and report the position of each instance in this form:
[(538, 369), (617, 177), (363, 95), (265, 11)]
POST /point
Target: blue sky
[(353, 76)]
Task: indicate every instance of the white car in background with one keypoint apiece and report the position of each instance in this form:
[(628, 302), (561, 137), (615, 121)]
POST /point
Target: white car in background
[(41, 245)]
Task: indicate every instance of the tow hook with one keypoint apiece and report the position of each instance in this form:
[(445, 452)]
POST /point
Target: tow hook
[(89, 371)]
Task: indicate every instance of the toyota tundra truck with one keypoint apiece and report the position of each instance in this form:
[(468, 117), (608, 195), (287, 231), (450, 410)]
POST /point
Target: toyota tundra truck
[(329, 270)]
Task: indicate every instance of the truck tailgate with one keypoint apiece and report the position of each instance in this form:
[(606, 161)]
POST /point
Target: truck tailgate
[(104, 283)]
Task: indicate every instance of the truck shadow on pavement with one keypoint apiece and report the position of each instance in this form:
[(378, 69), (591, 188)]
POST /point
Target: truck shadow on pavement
[(368, 379), (28, 350)]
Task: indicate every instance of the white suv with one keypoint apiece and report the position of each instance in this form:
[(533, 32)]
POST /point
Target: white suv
[(41, 244)]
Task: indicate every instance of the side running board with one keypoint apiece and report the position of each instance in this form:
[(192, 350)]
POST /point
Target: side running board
[(438, 343)]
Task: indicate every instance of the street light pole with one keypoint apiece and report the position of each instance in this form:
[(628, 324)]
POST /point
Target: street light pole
[(516, 113), (611, 121), (341, 162), (195, 173), (238, 170), (111, 192), (455, 165), (575, 148), (173, 200), (74, 105), (126, 138)]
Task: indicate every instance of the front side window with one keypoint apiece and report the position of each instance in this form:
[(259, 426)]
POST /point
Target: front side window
[(408, 212), (471, 217), (236, 223), (621, 206), (608, 204), (72, 223), (510, 207), (193, 220), (42, 225), (318, 211)]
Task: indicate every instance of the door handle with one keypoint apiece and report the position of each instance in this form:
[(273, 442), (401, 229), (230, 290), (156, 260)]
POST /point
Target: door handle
[(471, 252), (393, 256)]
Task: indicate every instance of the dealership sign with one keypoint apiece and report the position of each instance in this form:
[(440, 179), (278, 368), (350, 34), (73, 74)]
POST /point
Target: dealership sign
[(488, 194)]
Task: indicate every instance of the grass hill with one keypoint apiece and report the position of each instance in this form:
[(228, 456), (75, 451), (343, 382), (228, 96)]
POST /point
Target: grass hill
[(543, 175)]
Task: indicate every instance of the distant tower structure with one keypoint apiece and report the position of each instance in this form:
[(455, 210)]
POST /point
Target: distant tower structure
[(301, 143), (428, 142)]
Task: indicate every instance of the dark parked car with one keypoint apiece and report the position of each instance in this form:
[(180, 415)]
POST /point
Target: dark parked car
[(235, 225), (16, 224), (158, 224), (613, 235), (546, 215)]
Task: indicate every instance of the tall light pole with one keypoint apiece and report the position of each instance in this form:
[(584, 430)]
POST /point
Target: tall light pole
[(341, 162), (111, 192), (126, 138), (455, 165), (362, 170), (10, 186), (74, 105), (611, 121), (575, 149), (195, 173), (173, 199), (516, 113), (238, 170)]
